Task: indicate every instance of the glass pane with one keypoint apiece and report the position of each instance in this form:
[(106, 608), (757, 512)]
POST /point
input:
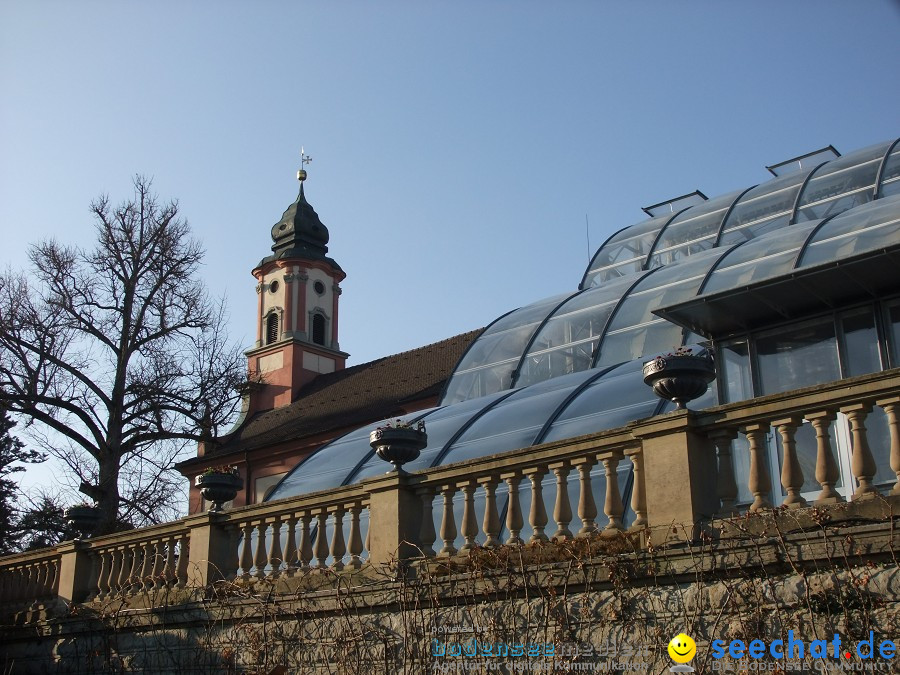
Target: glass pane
[(798, 357), (692, 231), (806, 448), (894, 328), (760, 258), (625, 253), (737, 383), (890, 181), (331, 465), (488, 365), (841, 184), (566, 342), (860, 348), (515, 421), (879, 437), (615, 399), (763, 207), (865, 228), (636, 332), (441, 426)]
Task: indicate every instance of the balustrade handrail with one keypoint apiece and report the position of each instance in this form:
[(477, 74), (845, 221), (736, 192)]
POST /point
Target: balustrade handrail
[(829, 396)]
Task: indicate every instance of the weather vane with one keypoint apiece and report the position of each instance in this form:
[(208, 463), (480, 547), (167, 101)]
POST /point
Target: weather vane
[(304, 160)]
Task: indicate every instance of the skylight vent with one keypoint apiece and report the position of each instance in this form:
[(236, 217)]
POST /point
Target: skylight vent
[(807, 161), (675, 204)]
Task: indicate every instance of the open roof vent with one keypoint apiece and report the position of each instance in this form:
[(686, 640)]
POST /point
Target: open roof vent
[(675, 204), (807, 161)]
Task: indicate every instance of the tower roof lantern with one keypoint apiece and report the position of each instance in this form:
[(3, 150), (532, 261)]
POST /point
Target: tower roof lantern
[(300, 233)]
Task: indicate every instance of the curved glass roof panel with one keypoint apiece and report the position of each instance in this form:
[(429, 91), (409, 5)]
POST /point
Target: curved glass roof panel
[(759, 258), (634, 330), (764, 208), (865, 228), (692, 231), (489, 363), (841, 184), (515, 421), (890, 178), (566, 342), (614, 399), (625, 252), (442, 425), (331, 465)]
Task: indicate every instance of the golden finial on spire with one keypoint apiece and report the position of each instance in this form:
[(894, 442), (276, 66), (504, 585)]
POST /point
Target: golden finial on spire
[(304, 160)]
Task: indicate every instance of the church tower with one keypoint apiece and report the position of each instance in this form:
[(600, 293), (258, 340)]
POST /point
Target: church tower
[(297, 312)]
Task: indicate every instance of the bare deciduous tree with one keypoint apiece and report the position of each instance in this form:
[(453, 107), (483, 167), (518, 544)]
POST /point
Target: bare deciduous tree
[(119, 355)]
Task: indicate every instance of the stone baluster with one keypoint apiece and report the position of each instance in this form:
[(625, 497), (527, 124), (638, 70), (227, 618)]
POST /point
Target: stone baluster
[(290, 546), (537, 516), (169, 570), (275, 555), (338, 547), (469, 529), (369, 531), (247, 550), (306, 553), (639, 488), (147, 566), (261, 557), (104, 562), (125, 569), (613, 506), (791, 473), (587, 507), (134, 565), (354, 545), (862, 463), (427, 535), (827, 470), (181, 568), (562, 509), (491, 522), (891, 407), (448, 522), (759, 482), (514, 519), (159, 564), (726, 485), (115, 570), (321, 548)]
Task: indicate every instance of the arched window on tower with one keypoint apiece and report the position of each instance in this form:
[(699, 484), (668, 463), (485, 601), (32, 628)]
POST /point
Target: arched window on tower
[(271, 328), (318, 329)]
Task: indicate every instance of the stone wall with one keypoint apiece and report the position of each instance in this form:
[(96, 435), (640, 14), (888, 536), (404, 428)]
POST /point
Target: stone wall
[(757, 577)]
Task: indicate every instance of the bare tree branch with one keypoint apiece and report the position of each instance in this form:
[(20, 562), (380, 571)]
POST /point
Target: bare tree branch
[(119, 354)]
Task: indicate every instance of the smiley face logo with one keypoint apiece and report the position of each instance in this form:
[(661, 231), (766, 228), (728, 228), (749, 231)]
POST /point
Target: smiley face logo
[(682, 648)]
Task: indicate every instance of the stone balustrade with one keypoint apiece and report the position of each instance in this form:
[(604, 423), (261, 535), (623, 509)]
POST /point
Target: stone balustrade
[(677, 469)]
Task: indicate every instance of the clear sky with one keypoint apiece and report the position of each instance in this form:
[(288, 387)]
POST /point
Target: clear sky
[(458, 147)]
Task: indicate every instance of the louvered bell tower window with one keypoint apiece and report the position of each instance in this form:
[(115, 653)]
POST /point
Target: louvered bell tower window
[(318, 329), (271, 328)]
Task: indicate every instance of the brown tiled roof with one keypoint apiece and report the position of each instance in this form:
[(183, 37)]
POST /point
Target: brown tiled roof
[(359, 394)]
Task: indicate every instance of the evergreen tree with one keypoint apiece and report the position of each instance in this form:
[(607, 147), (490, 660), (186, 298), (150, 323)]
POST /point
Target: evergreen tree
[(12, 455)]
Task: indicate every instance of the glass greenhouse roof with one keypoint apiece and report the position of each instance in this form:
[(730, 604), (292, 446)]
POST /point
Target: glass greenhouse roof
[(570, 364)]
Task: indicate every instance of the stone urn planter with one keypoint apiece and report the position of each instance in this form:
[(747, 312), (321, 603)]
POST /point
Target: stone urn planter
[(679, 377), (398, 444), (84, 518), (219, 487)]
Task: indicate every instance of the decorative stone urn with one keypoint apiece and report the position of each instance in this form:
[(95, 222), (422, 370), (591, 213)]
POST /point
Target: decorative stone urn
[(679, 377), (219, 488), (83, 518), (398, 445)]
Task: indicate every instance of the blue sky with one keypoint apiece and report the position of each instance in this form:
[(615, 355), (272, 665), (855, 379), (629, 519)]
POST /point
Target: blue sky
[(457, 146)]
